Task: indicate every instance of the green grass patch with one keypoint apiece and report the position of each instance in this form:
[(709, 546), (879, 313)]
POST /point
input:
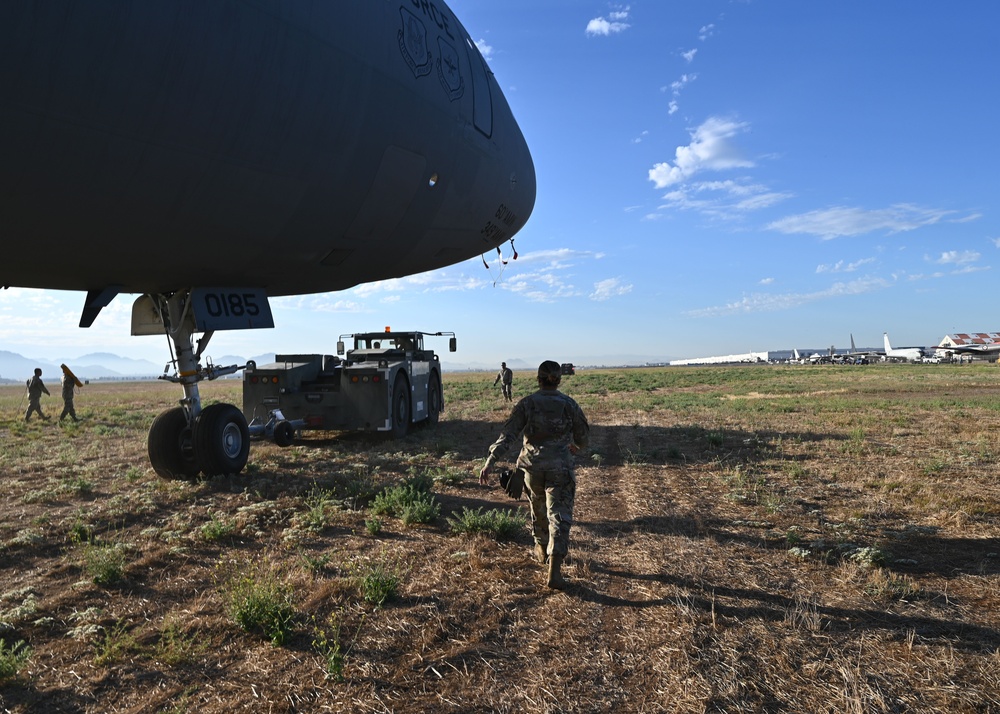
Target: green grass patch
[(177, 648), (114, 645), (12, 658), (379, 583), (409, 502), (501, 524), (105, 563), (259, 601), (217, 528)]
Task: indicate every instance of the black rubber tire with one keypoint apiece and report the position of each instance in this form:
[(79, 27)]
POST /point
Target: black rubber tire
[(170, 446), (284, 433), (434, 403), (221, 440), (400, 407)]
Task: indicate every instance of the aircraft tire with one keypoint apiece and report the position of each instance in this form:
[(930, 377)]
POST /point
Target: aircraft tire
[(221, 440), (284, 433), (433, 399), (170, 447), (400, 408)]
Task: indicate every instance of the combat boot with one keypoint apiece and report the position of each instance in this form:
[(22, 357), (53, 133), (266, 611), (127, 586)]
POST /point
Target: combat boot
[(540, 555), (556, 580)]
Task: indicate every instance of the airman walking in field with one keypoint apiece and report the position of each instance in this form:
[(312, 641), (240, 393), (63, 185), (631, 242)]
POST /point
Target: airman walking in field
[(554, 428), (68, 386), (506, 379), (35, 388)]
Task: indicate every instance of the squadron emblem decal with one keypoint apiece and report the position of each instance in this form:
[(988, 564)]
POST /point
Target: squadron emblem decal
[(413, 44), (448, 70)]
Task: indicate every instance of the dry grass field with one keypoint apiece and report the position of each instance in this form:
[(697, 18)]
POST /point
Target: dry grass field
[(752, 539)]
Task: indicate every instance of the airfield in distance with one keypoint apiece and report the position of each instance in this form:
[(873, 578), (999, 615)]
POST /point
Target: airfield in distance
[(955, 347), (103, 366)]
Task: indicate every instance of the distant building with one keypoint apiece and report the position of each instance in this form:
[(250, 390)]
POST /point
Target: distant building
[(962, 339), (746, 357), (826, 354)]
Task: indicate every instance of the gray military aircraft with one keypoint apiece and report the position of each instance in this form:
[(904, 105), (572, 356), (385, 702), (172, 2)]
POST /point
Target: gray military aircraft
[(209, 155)]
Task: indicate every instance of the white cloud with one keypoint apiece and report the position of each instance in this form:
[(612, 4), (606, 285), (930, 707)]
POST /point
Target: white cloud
[(689, 55), (956, 257), (484, 49), (723, 199), (995, 241), (841, 267), (614, 23), (537, 276), (550, 277), (322, 302), (541, 286), (711, 149), (675, 89), (706, 31), (607, 289), (766, 281), (600, 26), (761, 201), (677, 85), (50, 320), (733, 188), (766, 302), (845, 221), (971, 269), (560, 258)]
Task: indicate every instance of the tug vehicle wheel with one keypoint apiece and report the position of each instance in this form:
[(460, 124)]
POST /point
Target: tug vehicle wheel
[(284, 433)]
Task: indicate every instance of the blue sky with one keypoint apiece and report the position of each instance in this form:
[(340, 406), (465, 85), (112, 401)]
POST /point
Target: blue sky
[(713, 177)]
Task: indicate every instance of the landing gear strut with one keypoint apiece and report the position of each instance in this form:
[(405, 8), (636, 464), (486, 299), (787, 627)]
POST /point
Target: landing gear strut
[(187, 440)]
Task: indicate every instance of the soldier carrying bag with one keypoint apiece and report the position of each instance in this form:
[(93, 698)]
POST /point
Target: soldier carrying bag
[(512, 481)]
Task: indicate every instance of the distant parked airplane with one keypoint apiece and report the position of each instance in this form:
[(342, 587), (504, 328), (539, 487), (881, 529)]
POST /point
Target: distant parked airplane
[(814, 358), (855, 352), (908, 354)]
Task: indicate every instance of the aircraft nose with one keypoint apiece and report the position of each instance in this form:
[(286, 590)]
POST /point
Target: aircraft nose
[(518, 196), (522, 176)]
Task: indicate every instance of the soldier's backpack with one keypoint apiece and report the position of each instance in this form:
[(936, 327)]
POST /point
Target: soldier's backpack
[(548, 418)]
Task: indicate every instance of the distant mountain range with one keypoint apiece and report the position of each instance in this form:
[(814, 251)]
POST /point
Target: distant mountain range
[(97, 365), (15, 368)]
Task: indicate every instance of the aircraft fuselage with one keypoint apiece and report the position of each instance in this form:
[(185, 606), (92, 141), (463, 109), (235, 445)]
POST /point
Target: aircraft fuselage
[(287, 145), (211, 154)]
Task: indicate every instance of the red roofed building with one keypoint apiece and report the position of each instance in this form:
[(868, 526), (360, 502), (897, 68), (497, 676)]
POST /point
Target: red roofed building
[(964, 339)]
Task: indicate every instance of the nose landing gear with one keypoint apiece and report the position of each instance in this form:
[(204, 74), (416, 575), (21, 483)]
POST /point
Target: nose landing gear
[(187, 440)]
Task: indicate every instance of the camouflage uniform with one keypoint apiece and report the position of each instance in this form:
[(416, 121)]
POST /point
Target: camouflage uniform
[(506, 378), (68, 386), (551, 422), (35, 389)]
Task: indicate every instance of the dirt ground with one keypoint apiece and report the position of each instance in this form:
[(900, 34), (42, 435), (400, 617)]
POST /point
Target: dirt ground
[(761, 551)]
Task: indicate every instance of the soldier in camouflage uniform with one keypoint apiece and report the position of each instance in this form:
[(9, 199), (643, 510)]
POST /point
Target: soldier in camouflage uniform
[(35, 389), (68, 385), (554, 429), (506, 378)]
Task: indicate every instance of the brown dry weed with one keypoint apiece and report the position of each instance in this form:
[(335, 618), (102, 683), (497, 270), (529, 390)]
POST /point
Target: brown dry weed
[(754, 539)]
